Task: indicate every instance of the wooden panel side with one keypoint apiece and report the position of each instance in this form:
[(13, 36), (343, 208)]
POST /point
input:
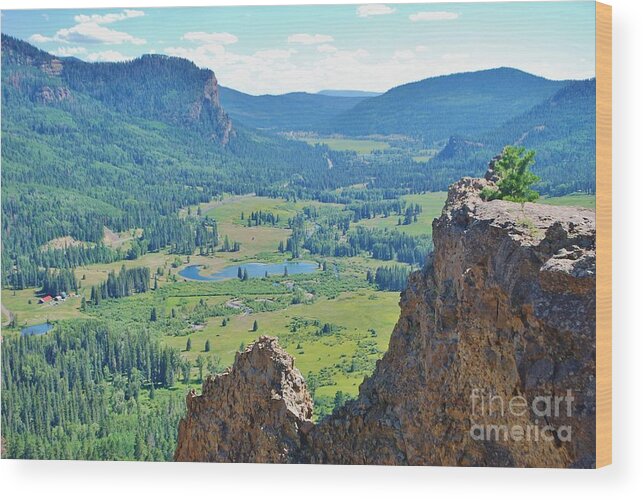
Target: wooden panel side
[(603, 234)]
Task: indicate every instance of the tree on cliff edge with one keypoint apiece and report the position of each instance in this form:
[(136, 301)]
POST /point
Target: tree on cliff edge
[(513, 169)]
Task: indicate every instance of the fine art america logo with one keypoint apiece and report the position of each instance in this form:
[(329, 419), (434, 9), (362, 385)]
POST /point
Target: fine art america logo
[(495, 411)]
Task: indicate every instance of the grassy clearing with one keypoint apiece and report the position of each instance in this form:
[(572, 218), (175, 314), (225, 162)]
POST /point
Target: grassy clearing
[(571, 200), (424, 155), (87, 276), (431, 204), (356, 313), (120, 240), (361, 146), (96, 273), (254, 240), (32, 314), (229, 210)]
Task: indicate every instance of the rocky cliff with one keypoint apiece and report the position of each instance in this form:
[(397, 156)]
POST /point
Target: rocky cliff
[(154, 86), (490, 364)]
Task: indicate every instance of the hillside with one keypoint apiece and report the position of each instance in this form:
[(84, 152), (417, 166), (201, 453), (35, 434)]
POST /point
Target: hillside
[(286, 112), (127, 145), (561, 129), (146, 87), (437, 108), (121, 145)]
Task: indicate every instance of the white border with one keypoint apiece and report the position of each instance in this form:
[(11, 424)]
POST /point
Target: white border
[(104, 480)]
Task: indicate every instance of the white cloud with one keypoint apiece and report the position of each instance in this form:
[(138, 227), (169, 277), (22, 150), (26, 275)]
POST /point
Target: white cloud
[(90, 29), (200, 54), (374, 10), (274, 54), (108, 18), (326, 49), (307, 39), (95, 33), (106, 56), (438, 15), (404, 55), (272, 70), (454, 56), (70, 51), (218, 38), (38, 38)]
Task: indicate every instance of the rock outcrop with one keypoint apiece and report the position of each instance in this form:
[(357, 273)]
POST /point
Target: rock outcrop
[(154, 87), (255, 412), (208, 109), (48, 94), (491, 363)]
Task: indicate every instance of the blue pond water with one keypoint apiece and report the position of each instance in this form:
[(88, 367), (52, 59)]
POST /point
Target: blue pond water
[(40, 329), (255, 270)]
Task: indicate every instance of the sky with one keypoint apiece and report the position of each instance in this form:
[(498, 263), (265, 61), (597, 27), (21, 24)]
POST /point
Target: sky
[(309, 48)]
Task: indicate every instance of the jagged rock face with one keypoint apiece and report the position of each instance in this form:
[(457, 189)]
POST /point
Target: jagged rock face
[(57, 94), (505, 309), (208, 110), (153, 87), (52, 67), (255, 412), (492, 360)]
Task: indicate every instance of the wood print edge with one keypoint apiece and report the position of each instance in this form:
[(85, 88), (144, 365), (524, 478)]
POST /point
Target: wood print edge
[(603, 234)]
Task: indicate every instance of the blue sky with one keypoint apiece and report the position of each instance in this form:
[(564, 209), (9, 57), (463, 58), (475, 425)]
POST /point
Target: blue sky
[(312, 47)]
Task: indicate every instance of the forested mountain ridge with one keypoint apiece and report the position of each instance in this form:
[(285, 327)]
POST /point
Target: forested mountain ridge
[(562, 130), (87, 146), (125, 146), (299, 111), (348, 93), (146, 87), (436, 108)]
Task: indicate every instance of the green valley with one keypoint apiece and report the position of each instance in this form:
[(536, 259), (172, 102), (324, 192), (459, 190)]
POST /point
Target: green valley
[(155, 224)]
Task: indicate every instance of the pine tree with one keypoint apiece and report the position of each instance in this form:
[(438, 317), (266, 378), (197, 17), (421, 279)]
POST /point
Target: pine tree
[(255, 326), (516, 178), (200, 363), (207, 345), (188, 344)]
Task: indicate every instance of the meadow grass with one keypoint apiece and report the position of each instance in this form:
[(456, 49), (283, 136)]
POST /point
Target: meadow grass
[(571, 200), (361, 146), (431, 204), (355, 312), (230, 209), (33, 314), (254, 240)]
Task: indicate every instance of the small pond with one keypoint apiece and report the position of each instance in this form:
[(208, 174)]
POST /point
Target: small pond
[(40, 329), (254, 269)]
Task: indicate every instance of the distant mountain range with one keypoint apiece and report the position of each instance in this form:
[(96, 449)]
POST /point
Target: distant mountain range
[(123, 145), (561, 129), (286, 112), (349, 93), (436, 108)]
